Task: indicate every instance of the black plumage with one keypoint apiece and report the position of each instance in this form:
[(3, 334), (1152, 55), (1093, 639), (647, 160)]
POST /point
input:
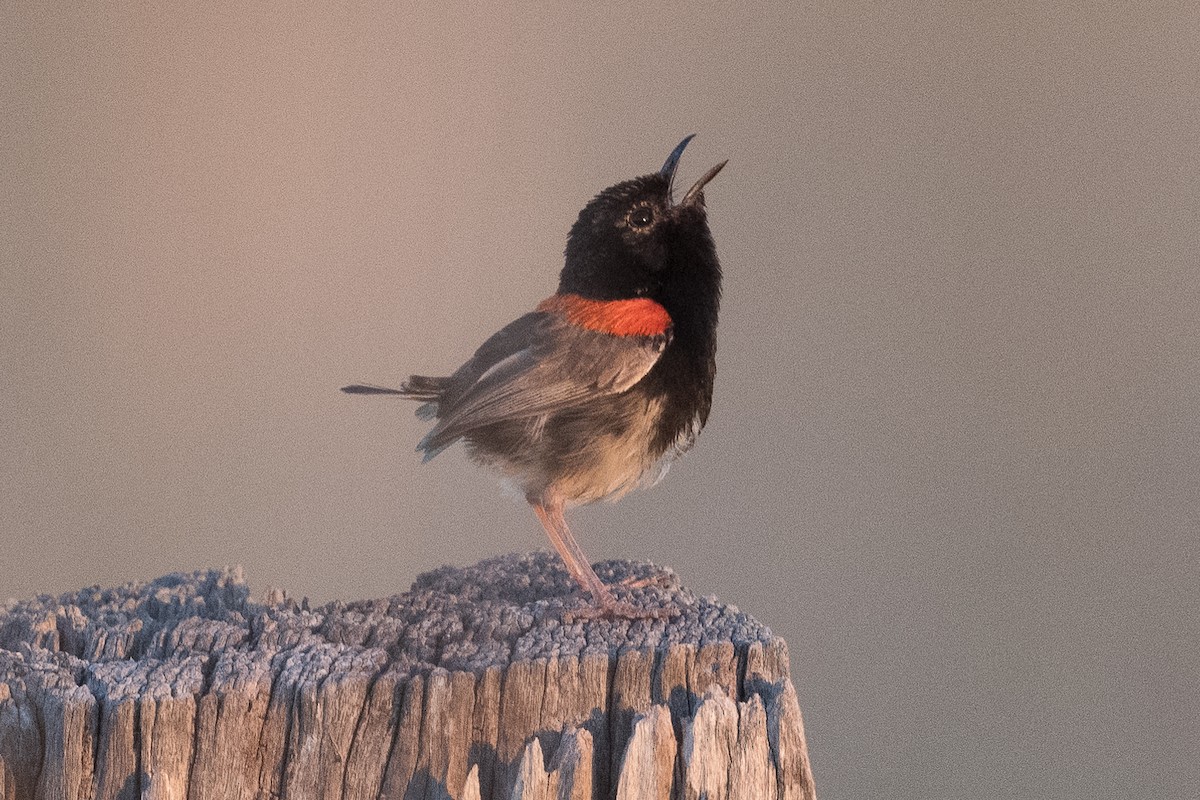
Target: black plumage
[(610, 379)]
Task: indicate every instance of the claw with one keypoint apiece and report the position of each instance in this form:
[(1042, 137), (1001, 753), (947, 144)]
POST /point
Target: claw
[(659, 579), (617, 610)]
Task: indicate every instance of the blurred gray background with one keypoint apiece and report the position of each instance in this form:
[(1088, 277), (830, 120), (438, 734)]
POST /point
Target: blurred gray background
[(954, 456)]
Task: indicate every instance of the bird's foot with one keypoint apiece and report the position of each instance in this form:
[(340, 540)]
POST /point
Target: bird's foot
[(614, 609), (659, 579)]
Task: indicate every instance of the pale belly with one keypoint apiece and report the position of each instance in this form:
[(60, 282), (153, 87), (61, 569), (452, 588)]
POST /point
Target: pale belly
[(597, 454)]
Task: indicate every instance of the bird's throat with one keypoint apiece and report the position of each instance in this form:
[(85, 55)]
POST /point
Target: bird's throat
[(638, 316)]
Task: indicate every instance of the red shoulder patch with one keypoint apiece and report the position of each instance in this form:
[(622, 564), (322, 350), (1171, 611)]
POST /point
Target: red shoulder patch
[(639, 316)]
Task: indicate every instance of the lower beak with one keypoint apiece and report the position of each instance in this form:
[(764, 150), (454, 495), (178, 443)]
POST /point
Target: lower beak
[(695, 195)]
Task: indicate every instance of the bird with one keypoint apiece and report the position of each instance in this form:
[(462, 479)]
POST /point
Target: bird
[(608, 380)]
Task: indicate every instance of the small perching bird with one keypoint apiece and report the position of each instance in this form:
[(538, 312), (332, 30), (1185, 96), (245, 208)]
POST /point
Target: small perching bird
[(609, 380)]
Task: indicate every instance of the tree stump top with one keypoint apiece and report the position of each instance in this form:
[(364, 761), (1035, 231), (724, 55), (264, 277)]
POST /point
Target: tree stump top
[(470, 686), (494, 613)]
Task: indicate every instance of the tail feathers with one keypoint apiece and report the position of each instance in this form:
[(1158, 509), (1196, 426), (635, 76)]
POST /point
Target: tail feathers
[(417, 387), (431, 445), (363, 388), (420, 387)]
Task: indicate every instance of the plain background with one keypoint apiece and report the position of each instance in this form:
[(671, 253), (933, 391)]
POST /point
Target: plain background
[(954, 456)]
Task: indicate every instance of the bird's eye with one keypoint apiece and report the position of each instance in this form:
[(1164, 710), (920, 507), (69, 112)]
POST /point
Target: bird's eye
[(641, 217)]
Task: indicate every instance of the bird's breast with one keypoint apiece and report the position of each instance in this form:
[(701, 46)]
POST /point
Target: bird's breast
[(608, 452), (638, 316)]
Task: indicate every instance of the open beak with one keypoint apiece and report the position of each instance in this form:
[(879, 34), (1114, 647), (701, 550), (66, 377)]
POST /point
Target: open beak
[(695, 195)]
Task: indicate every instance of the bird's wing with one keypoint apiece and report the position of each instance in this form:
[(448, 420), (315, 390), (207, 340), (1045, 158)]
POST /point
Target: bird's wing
[(538, 364)]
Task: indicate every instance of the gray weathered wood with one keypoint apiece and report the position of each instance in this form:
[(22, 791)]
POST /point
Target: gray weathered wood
[(470, 686), (648, 765)]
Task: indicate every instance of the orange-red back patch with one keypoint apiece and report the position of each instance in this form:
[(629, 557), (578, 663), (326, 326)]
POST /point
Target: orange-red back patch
[(639, 316)]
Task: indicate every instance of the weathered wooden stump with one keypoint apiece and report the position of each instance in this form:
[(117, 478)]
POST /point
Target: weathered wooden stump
[(469, 686)]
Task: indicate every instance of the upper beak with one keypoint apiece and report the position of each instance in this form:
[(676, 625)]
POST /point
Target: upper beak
[(668, 167), (696, 193)]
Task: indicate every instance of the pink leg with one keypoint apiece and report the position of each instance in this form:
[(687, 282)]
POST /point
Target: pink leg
[(549, 512)]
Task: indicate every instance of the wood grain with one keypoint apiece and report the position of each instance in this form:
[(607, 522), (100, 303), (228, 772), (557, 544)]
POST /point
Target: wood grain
[(471, 686)]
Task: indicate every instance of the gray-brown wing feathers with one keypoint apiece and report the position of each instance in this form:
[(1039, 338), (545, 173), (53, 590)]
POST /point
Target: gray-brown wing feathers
[(536, 365)]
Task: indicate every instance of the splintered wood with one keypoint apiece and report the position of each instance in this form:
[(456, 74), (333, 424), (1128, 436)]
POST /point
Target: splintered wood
[(470, 686)]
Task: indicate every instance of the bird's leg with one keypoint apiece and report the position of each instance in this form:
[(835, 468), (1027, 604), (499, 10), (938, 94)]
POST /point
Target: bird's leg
[(549, 512)]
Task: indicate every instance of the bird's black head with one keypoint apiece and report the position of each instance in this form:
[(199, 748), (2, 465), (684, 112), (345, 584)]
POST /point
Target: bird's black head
[(632, 240)]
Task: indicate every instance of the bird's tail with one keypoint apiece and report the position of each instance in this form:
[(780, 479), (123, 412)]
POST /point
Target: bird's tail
[(366, 388), (421, 387), (417, 387)]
